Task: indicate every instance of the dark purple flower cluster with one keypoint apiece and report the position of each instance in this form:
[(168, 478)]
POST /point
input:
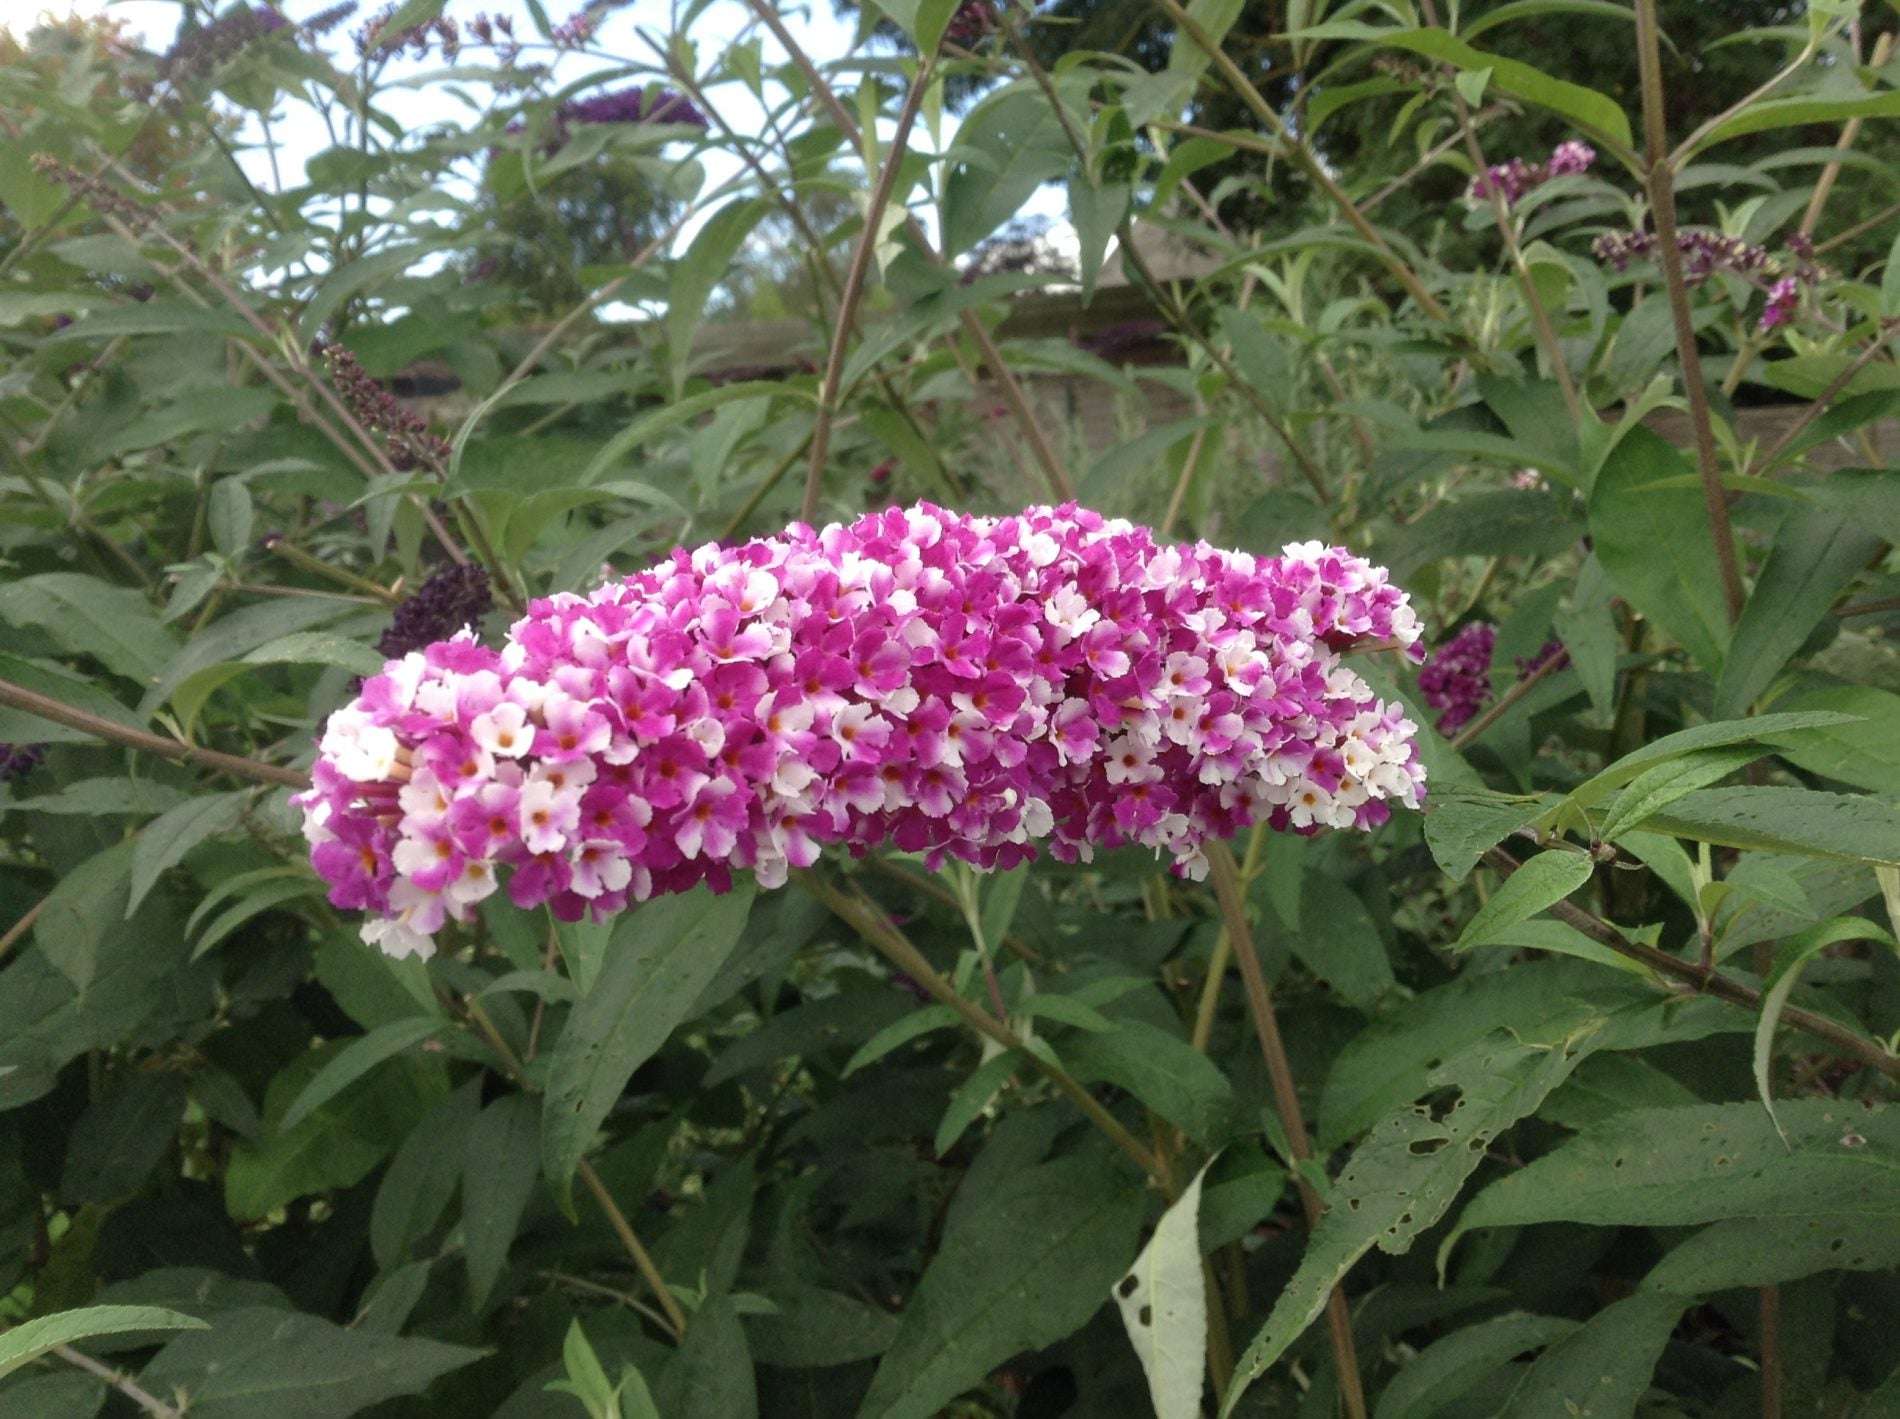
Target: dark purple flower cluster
[(498, 32), (1705, 252), (451, 599), (1511, 180), (1549, 651), (403, 432), (200, 50), (321, 23), (377, 37), (1456, 680), (19, 760), (973, 20), (633, 105)]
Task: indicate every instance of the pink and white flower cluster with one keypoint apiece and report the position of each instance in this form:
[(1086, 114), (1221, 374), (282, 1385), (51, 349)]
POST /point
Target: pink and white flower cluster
[(957, 685)]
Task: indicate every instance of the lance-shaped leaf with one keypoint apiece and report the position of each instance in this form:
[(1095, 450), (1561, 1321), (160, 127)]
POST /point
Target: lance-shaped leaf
[(1407, 1173), (1163, 1301), (661, 958)]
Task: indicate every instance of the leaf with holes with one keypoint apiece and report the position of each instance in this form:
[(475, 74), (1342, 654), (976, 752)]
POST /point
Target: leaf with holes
[(1674, 1167), (1407, 1173), (1163, 1302)]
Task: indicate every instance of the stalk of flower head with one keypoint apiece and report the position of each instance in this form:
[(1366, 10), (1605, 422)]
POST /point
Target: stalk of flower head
[(959, 686)]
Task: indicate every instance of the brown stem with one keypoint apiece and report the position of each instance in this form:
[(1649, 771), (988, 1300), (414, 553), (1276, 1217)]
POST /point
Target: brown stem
[(1868, 1052), (1302, 157), (854, 280), (876, 928), (1006, 381), (120, 1381), (1819, 405), (623, 1229), (1859, 229), (1171, 309), (21, 698), (1662, 202), (21, 927), (936, 891), (1504, 702), (1870, 608), (1824, 185), (1224, 873)]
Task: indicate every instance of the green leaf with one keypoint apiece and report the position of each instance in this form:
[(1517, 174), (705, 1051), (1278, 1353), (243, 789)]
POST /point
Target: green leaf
[(1604, 1368), (1792, 727), (671, 415), (81, 693), (83, 912), (1817, 552), (1797, 820), (356, 1058), (317, 648), (1795, 953), (1595, 112), (1541, 882), (1799, 112), (292, 1365), (1065, 1010), (164, 841), (1890, 283), (1461, 825), (230, 516), (1020, 1267), (1339, 942), (1657, 787), (1007, 146), (339, 1143), (502, 1160), (1407, 1173), (923, 20), (973, 1096), (416, 1185), (120, 1138), (1650, 532), (25, 1343), (1673, 1167), (1726, 1255), (711, 1375), (662, 956), (696, 273), (86, 616), (816, 1329), (1161, 1069), (105, 796), (914, 1025), (815, 1027), (1447, 1370), (1587, 628), (1163, 1301), (1864, 754)]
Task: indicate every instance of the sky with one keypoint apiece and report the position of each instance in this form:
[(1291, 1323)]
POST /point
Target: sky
[(823, 36)]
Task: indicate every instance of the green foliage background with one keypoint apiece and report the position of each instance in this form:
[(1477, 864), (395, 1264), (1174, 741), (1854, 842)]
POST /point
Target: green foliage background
[(1595, 1055)]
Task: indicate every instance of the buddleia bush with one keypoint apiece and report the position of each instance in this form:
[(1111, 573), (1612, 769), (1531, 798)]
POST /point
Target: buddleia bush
[(568, 852)]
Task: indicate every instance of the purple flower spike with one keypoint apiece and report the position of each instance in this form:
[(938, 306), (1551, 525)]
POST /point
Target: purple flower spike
[(959, 686)]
